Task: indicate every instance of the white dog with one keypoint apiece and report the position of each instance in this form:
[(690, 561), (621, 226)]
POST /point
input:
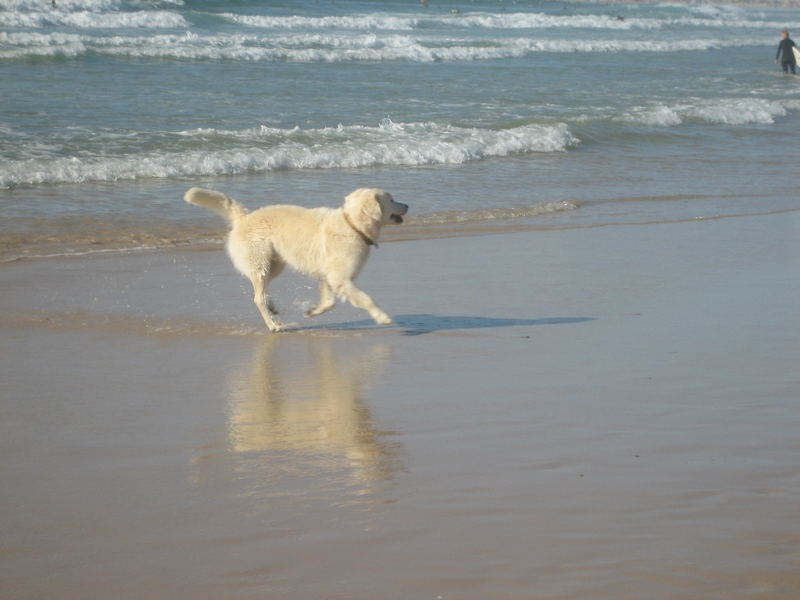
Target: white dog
[(328, 244)]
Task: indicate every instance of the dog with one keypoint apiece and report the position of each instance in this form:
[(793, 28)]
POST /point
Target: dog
[(328, 244)]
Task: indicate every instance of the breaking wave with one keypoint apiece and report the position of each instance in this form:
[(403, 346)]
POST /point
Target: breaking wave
[(90, 5), (83, 19), (119, 14), (309, 47), (106, 14), (522, 20), (110, 155), (733, 111), (476, 20), (267, 149)]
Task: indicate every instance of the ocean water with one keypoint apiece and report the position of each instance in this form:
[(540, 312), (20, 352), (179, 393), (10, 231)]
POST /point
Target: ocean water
[(544, 114)]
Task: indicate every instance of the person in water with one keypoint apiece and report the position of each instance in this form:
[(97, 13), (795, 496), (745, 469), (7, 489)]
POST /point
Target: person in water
[(785, 48)]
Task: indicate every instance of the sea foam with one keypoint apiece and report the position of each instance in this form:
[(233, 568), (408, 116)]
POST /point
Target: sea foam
[(344, 146), (36, 5), (478, 20), (732, 111), (91, 5), (330, 47), (83, 19), (520, 20)]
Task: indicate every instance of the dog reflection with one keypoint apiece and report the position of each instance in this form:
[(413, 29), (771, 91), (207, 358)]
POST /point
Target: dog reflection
[(305, 396)]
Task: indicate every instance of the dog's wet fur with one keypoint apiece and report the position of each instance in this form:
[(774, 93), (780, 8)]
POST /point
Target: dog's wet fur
[(328, 244)]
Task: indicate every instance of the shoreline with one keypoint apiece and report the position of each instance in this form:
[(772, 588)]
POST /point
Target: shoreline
[(404, 233)]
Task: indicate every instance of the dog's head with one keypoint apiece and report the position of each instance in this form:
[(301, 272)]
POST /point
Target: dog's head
[(371, 208)]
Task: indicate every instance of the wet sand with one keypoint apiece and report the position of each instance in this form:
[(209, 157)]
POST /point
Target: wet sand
[(594, 414)]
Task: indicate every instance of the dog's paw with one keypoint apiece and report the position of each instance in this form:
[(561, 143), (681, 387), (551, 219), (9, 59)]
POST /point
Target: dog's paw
[(383, 319), (318, 310), (277, 327)]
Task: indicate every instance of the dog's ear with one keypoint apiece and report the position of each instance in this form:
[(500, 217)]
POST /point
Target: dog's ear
[(364, 206), (371, 207)]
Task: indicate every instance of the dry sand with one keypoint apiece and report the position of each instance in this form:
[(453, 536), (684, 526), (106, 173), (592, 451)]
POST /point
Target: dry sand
[(598, 414)]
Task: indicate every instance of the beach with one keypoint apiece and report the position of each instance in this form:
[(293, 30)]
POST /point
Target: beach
[(590, 388), (604, 412)]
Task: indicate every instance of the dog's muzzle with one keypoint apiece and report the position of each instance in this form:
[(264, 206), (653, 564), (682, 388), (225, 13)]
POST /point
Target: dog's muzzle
[(398, 217)]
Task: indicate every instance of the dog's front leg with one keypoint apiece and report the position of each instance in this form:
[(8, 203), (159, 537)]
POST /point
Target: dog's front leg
[(348, 291), (327, 300)]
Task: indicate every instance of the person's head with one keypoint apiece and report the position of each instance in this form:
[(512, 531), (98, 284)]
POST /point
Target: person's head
[(784, 34)]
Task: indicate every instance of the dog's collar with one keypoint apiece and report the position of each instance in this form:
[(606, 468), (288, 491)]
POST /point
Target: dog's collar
[(364, 237)]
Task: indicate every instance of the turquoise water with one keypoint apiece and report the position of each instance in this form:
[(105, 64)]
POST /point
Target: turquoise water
[(571, 112)]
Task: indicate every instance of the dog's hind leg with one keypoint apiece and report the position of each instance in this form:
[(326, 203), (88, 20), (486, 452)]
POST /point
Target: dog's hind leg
[(348, 291), (327, 300), (275, 268), (262, 302)]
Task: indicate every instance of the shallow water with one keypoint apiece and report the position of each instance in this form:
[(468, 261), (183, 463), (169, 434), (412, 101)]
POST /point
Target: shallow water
[(112, 108)]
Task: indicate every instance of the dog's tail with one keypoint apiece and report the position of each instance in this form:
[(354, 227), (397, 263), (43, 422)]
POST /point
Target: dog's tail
[(225, 207)]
